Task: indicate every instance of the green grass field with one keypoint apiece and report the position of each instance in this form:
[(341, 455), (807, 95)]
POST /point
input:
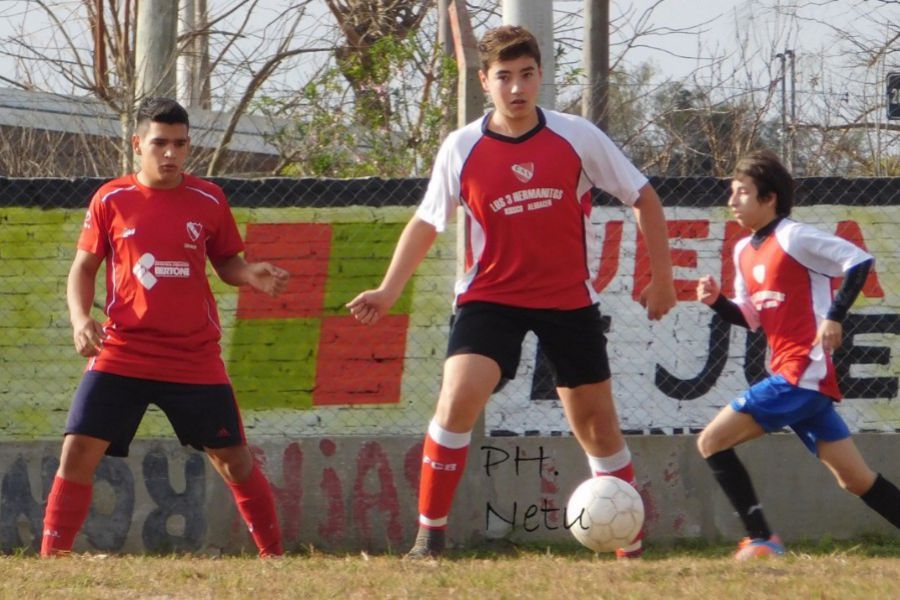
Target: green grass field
[(841, 570)]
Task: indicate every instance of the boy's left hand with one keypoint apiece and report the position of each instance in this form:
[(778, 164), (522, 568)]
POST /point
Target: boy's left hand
[(267, 278), (830, 334)]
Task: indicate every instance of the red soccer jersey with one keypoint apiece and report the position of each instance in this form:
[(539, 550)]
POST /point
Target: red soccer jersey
[(784, 286), (163, 323), (529, 239)]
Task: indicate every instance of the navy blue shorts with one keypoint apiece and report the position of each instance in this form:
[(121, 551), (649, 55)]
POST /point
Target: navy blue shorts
[(110, 407), (572, 340), (774, 403)]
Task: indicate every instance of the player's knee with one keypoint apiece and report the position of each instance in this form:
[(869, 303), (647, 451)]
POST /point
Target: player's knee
[(706, 445), (856, 483), (233, 464), (79, 458)]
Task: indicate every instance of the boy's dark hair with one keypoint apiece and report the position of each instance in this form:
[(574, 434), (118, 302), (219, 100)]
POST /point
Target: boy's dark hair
[(508, 42), (160, 110), (770, 176)]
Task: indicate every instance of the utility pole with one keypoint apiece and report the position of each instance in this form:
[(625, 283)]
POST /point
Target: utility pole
[(101, 70), (537, 17), (595, 98), (445, 43), (157, 25), (783, 138), (470, 96), (187, 56), (445, 35), (792, 148), (193, 60), (787, 133)]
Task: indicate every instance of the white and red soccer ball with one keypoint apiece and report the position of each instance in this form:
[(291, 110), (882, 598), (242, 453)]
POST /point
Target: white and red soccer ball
[(605, 513)]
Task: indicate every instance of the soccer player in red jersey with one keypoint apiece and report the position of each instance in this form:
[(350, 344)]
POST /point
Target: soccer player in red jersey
[(523, 175), (160, 343), (783, 285)]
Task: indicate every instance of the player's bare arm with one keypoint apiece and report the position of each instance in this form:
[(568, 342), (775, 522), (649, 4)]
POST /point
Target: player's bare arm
[(262, 276), (87, 333), (659, 295), (414, 243), (708, 290)]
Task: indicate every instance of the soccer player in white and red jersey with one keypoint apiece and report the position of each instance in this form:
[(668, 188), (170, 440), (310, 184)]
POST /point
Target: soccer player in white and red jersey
[(160, 342), (523, 175), (783, 285)]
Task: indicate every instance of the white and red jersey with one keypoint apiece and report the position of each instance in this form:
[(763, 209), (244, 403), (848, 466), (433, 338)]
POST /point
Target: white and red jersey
[(784, 286), (529, 241), (163, 323)]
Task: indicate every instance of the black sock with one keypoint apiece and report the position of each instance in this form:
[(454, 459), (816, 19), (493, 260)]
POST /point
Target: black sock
[(729, 471), (884, 498)]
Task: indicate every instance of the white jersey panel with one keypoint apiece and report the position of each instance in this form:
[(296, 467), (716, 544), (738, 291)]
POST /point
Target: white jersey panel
[(442, 196), (594, 250), (820, 290), (818, 251), (825, 256), (603, 164), (476, 245)]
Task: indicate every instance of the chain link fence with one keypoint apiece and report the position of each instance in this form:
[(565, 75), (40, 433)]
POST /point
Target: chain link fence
[(301, 366)]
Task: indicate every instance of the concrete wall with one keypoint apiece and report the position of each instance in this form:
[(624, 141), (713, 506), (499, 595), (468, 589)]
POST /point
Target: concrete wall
[(352, 493)]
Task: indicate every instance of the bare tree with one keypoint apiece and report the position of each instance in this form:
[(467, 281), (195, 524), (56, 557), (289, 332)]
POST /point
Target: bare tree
[(842, 86), (329, 128), (367, 25), (86, 48)]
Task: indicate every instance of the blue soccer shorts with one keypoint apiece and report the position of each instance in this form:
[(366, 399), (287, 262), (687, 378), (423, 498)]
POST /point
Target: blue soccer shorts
[(110, 407), (774, 403)]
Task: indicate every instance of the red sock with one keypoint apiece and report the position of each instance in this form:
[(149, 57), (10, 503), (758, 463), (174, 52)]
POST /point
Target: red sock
[(256, 504), (67, 508), (443, 463), (626, 473), (618, 465)]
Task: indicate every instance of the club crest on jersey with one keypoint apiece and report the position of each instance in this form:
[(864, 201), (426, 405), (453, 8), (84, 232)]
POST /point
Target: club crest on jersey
[(759, 273), (524, 171), (194, 230)]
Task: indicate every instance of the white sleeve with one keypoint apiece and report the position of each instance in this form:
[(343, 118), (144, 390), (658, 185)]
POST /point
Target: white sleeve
[(607, 167), (818, 251), (603, 165), (442, 196)]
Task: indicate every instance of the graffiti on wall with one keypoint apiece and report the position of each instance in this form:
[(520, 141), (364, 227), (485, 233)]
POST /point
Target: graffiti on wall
[(301, 366), (330, 495), (673, 376), (319, 498)]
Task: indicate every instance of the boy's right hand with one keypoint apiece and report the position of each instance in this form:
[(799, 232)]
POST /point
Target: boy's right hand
[(88, 336), (707, 290), (370, 306)]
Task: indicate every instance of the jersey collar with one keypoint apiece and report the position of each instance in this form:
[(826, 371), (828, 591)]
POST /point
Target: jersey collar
[(764, 232), (542, 122)]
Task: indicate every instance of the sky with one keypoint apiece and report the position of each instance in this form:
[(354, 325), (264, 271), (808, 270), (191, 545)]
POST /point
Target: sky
[(710, 28)]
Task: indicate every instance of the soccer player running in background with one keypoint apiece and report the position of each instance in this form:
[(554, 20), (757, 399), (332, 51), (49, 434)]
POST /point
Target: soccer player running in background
[(783, 277), (160, 343), (523, 176)]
